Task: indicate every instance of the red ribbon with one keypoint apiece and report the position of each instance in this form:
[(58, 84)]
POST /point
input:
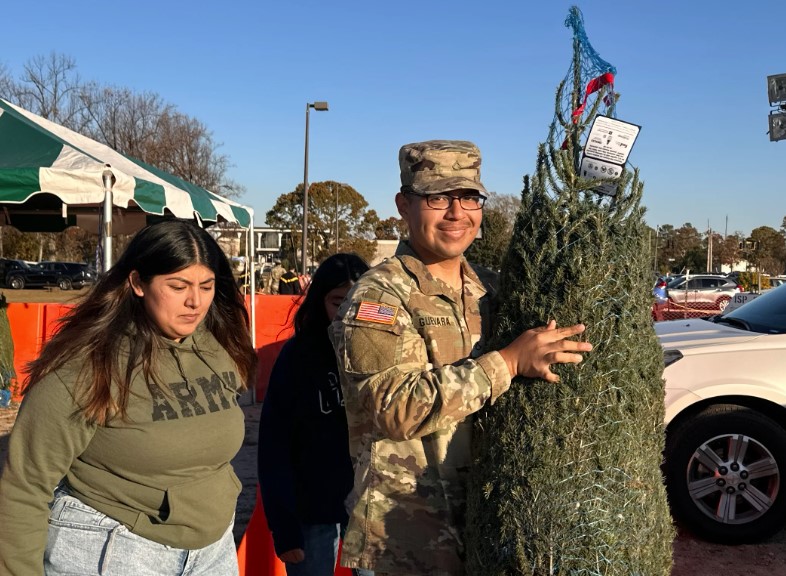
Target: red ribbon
[(592, 86)]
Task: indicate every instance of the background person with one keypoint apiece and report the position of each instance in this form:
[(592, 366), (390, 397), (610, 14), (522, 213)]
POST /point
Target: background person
[(275, 275), (130, 420), (304, 468), (410, 341), (289, 283)]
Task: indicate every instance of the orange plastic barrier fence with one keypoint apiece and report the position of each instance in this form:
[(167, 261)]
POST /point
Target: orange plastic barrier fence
[(274, 315), (256, 555), (33, 324)]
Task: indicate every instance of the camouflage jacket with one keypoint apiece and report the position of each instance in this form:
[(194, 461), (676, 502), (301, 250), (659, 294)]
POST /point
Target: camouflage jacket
[(408, 347)]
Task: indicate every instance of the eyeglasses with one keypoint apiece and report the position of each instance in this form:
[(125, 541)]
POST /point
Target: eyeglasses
[(445, 201)]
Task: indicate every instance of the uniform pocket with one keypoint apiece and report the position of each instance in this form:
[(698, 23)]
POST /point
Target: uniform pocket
[(371, 348)]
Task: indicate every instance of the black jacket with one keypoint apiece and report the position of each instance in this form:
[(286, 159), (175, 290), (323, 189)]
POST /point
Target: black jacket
[(289, 283), (304, 468)]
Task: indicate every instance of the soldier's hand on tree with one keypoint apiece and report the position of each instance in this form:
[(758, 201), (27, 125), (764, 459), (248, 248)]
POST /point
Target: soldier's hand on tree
[(532, 353)]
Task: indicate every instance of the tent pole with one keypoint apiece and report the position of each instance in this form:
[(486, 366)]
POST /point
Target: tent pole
[(106, 230), (250, 255)]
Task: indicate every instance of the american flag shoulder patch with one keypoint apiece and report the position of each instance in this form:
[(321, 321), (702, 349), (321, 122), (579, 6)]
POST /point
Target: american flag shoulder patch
[(376, 312)]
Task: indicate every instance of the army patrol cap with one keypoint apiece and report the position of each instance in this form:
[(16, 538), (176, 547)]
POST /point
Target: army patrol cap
[(438, 166)]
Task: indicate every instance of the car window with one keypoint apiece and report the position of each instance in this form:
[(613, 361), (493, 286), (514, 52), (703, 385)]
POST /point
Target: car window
[(674, 282), (767, 313)]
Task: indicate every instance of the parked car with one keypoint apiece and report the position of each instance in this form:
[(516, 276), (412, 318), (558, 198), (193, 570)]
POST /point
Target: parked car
[(70, 274), (702, 291), (776, 281), (19, 274), (725, 457)]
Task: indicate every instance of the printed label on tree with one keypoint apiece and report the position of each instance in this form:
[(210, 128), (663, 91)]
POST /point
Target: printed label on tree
[(611, 140)]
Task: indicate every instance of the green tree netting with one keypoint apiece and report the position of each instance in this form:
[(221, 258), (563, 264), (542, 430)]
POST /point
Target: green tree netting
[(567, 477)]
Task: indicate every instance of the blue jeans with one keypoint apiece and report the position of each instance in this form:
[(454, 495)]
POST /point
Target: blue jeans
[(84, 541), (320, 546)]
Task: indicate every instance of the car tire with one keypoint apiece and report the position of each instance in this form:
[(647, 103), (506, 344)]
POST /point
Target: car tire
[(725, 474), (722, 303), (64, 284), (16, 282)]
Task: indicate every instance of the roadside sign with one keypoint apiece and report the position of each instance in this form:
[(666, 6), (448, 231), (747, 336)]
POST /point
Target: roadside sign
[(740, 299)]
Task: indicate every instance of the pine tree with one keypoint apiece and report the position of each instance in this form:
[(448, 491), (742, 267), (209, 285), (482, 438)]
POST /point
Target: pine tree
[(567, 477)]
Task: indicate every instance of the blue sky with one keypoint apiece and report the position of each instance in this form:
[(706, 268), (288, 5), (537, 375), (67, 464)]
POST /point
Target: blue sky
[(692, 74)]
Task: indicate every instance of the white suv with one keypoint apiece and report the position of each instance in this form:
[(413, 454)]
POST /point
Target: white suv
[(725, 459)]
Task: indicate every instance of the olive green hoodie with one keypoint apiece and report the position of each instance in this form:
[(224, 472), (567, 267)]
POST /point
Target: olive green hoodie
[(165, 472)]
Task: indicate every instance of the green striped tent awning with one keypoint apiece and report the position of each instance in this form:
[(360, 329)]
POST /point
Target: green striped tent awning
[(48, 172)]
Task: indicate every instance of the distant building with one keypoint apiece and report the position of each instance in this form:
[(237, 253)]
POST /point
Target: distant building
[(385, 249), (265, 242)]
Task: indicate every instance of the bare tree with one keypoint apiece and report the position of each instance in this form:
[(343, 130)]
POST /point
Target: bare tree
[(49, 87), (6, 82), (121, 119), (144, 127)]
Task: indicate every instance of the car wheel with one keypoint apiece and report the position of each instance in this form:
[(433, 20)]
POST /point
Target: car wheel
[(725, 470), (64, 284), (16, 282), (723, 302)]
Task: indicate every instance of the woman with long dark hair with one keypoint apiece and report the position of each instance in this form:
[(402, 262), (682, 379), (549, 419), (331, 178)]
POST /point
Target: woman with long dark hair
[(304, 468), (119, 460)]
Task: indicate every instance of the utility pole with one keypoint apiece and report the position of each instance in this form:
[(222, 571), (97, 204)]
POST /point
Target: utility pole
[(709, 247)]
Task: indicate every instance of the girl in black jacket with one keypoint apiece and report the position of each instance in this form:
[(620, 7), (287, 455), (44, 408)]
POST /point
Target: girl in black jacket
[(304, 468)]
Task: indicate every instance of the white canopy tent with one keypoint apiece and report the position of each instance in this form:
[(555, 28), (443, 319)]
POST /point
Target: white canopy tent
[(52, 177)]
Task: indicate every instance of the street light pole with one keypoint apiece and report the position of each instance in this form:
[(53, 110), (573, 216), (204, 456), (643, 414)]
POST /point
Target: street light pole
[(304, 257), (657, 233)]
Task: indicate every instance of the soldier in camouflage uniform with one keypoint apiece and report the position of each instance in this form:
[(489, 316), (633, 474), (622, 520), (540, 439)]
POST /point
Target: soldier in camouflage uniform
[(275, 277), (408, 340)]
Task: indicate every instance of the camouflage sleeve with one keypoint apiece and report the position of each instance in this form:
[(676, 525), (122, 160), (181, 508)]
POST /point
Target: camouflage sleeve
[(387, 373)]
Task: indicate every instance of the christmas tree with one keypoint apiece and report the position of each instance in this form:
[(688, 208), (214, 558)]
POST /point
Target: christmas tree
[(567, 476)]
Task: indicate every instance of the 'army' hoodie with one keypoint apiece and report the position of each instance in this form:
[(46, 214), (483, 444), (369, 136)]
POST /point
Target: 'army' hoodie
[(165, 473)]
